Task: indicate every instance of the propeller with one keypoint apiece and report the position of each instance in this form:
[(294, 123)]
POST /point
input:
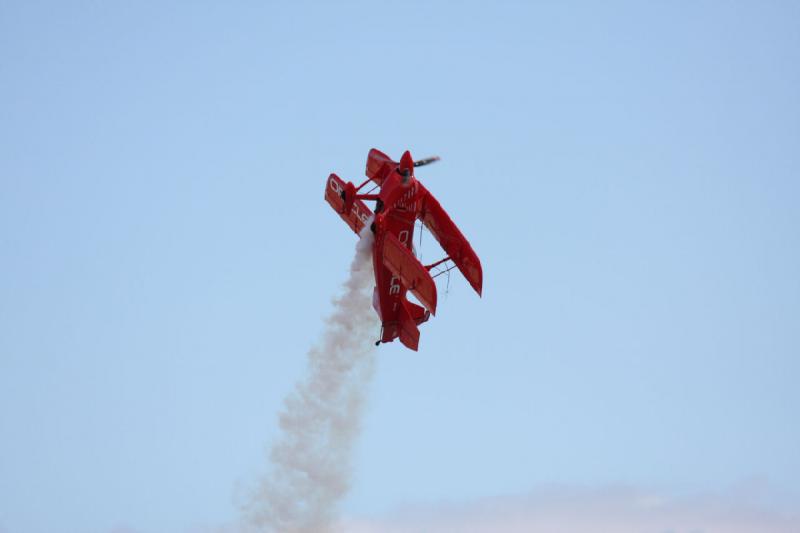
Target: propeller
[(426, 161)]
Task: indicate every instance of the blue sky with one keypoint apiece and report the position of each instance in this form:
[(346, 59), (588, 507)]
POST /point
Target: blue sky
[(627, 172)]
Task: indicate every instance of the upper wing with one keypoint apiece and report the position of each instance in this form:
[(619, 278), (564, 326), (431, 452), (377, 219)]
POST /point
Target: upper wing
[(378, 165), (452, 240), (359, 214)]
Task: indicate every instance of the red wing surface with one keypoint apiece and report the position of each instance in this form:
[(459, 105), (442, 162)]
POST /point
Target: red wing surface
[(378, 164), (402, 263), (452, 241), (359, 214), (408, 330)]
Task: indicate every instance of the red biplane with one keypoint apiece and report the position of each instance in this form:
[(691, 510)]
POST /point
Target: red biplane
[(399, 203)]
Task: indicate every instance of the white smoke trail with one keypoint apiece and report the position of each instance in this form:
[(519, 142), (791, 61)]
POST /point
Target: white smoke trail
[(321, 417)]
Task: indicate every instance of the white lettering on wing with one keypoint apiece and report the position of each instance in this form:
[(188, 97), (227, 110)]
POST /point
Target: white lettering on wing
[(394, 286), (356, 210)]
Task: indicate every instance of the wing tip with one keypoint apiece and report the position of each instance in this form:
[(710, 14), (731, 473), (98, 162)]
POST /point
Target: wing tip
[(476, 275)]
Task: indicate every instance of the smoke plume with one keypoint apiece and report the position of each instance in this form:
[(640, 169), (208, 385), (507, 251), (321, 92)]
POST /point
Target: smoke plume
[(321, 417)]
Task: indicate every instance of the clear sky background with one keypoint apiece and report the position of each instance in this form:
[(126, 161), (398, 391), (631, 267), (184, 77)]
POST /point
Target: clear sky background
[(628, 172)]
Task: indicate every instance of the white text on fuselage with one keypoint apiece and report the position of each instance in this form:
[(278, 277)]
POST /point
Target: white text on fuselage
[(394, 283)]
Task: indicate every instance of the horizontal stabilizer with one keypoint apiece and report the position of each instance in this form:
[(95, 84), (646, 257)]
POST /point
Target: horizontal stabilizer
[(417, 312), (402, 263), (452, 241), (358, 215), (408, 330)]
